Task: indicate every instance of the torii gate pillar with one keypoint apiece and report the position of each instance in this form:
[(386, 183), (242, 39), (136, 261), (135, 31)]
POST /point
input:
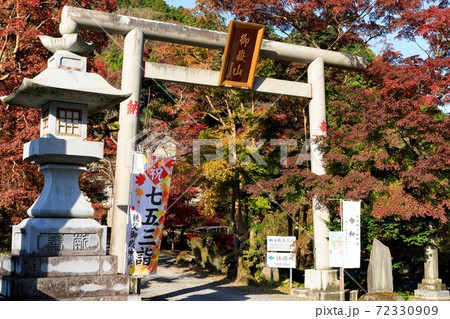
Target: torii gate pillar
[(322, 277), (132, 73)]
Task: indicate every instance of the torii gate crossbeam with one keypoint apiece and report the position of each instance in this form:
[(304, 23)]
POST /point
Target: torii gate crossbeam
[(180, 74), (175, 33)]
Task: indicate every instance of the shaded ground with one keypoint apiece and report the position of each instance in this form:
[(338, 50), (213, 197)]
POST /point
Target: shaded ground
[(184, 283)]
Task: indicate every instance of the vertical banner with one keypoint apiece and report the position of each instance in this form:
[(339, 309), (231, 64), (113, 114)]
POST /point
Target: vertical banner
[(150, 182), (351, 217)]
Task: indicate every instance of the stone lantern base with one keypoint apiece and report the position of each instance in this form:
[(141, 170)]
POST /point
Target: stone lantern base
[(61, 259)]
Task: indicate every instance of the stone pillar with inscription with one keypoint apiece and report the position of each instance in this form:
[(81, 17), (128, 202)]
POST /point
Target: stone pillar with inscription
[(59, 253), (431, 288)]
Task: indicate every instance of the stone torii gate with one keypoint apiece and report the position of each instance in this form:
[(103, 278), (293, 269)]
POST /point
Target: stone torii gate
[(135, 30)]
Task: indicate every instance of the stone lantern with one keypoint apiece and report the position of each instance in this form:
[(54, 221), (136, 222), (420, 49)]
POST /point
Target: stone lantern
[(60, 251)]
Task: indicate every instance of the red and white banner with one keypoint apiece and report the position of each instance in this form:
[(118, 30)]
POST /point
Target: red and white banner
[(146, 213)]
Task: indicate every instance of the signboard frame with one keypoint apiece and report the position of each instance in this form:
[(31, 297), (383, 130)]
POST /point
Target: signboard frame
[(288, 254), (285, 242), (227, 67), (290, 260)]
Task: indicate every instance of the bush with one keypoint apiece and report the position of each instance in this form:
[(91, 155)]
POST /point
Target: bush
[(208, 255)]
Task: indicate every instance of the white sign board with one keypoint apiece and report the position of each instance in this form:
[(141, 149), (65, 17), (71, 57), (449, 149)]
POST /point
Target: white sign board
[(281, 260), (351, 213), (281, 243), (336, 244)]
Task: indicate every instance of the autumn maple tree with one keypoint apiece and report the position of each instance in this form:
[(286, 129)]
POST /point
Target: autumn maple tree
[(387, 140)]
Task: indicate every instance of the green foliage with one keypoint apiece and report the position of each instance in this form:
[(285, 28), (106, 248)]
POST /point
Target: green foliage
[(274, 224), (157, 5), (113, 57), (230, 262), (259, 204), (276, 69), (360, 50), (5, 238), (405, 293), (398, 265), (253, 259), (209, 238), (170, 12), (416, 232)]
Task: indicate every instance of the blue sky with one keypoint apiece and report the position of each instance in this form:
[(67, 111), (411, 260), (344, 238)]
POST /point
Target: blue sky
[(184, 3), (405, 47)]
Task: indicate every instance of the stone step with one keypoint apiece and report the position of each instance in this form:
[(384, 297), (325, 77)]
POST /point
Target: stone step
[(132, 297), (328, 295), (103, 298), (428, 299), (431, 295), (64, 288), (432, 287), (23, 266), (303, 294)]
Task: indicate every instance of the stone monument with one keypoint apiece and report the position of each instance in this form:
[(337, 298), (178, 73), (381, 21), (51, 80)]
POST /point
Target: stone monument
[(59, 253), (379, 273), (431, 288)]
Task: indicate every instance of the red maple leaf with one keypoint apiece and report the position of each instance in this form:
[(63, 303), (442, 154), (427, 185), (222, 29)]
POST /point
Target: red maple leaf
[(140, 179), (169, 163)]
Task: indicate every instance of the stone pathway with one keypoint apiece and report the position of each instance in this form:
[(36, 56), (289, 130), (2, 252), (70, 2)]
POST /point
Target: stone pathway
[(180, 283)]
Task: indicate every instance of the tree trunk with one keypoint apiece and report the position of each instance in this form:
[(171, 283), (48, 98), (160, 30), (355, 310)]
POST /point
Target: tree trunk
[(290, 226), (252, 235), (241, 225), (182, 243), (233, 221)]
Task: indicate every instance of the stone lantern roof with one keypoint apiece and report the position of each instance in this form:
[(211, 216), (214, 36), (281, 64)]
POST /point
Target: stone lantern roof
[(65, 93), (66, 80)]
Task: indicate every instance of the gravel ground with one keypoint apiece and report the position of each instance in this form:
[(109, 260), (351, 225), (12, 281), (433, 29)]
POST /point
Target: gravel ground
[(186, 283)]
